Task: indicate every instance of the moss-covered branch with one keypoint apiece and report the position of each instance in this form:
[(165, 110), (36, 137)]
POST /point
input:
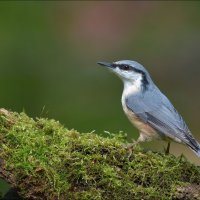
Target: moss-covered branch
[(44, 160)]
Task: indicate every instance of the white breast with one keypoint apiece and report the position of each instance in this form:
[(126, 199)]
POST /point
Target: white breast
[(130, 88), (147, 131)]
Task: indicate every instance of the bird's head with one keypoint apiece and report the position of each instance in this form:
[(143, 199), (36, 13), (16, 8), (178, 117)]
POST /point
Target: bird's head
[(129, 71)]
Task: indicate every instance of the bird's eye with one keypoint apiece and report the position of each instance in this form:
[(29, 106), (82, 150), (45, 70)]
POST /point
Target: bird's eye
[(125, 67)]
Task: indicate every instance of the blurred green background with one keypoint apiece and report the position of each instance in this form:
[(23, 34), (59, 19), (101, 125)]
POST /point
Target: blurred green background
[(49, 50)]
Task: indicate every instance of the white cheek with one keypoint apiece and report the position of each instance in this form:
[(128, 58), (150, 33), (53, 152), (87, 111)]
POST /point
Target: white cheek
[(117, 70), (132, 81), (123, 74), (130, 76)]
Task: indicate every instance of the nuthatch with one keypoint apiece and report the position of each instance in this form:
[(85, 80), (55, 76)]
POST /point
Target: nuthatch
[(148, 109)]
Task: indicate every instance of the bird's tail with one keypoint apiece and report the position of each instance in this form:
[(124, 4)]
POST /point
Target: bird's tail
[(196, 150), (193, 144)]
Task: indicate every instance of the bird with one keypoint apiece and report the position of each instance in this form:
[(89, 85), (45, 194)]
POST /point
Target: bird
[(148, 109)]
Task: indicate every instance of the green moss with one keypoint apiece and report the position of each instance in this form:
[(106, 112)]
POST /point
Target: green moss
[(47, 161)]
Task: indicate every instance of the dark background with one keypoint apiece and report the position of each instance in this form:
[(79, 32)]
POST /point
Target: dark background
[(49, 50)]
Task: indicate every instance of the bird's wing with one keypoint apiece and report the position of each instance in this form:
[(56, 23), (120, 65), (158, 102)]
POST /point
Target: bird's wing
[(154, 108)]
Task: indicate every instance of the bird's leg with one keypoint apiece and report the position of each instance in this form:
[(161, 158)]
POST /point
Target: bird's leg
[(130, 148), (167, 149), (132, 145)]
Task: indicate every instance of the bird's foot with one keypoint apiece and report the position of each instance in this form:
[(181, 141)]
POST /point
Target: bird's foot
[(130, 147)]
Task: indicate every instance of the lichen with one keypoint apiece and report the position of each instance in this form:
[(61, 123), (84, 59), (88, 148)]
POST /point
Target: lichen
[(45, 160)]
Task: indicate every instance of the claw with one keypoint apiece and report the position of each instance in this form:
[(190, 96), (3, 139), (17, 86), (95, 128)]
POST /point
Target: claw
[(130, 147)]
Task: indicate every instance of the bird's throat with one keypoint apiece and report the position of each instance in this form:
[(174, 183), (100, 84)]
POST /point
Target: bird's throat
[(132, 87)]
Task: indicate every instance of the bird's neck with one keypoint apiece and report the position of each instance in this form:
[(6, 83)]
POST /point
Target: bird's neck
[(132, 87)]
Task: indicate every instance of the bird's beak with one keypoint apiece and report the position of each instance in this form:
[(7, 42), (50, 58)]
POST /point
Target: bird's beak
[(106, 64)]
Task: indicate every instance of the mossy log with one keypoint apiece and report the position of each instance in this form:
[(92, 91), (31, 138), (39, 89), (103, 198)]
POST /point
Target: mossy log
[(44, 160)]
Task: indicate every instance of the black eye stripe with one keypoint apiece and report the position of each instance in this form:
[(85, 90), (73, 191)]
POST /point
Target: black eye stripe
[(125, 67), (114, 65), (131, 68), (128, 68)]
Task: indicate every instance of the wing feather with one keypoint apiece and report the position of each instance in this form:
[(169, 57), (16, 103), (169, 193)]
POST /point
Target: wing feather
[(154, 108)]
